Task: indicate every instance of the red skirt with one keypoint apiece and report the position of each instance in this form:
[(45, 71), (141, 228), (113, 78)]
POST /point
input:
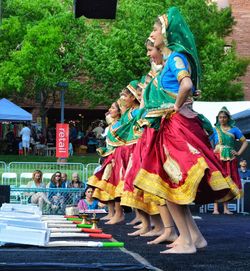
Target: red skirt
[(109, 180), (100, 178), (231, 167), (132, 196), (181, 166)]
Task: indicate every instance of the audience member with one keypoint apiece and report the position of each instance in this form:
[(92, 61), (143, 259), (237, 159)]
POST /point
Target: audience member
[(38, 198), (88, 202), (98, 131), (20, 148), (71, 150), (57, 198), (25, 134), (65, 180), (243, 171), (75, 183)]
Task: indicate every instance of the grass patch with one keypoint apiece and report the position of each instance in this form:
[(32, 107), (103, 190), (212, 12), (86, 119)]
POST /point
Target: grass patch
[(89, 158)]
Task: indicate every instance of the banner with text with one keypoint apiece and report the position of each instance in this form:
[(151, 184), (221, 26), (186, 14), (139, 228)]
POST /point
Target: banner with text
[(62, 140)]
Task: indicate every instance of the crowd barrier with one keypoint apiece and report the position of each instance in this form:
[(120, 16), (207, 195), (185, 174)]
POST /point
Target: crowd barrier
[(3, 167), (51, 200), (17, 175), (20, 173)]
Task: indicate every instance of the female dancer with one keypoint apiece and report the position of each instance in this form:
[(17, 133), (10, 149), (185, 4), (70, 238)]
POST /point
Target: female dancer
[(132, 197), (99, 180), (224, 138), (128, 136), (181, 167)]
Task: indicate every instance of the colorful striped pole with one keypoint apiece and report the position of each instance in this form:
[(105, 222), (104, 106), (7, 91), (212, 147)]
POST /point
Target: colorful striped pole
[(76, 230), (85, 235), (84, 244)]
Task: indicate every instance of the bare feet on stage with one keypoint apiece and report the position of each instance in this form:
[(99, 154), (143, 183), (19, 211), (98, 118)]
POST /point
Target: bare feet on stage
[(134, 221), (199, 242), (107, 217), (227, 212), (115, 219), (169, 235), (181, 248), (152, 233), (216, 213), (139, 232), (139, 226)]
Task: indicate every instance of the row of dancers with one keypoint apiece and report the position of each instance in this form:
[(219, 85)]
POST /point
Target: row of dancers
[(158, 157)]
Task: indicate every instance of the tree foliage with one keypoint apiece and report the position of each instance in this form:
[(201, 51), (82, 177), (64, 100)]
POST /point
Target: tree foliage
[(42, 44)]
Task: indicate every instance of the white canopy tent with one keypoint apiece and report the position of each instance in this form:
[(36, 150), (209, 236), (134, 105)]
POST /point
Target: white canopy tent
[(11, 112)]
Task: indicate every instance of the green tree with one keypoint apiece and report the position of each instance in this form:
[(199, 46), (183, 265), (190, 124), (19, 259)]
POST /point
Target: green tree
[(115, 53), (41, 44)]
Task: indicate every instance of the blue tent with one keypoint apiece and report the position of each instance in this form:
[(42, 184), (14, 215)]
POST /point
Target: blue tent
[(11, 112), (242, 120)]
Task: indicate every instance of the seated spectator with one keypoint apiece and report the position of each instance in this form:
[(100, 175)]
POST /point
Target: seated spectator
[(65, 180), (88, 202), (75, 183), (57, 198), (38, 198), (243, 171)]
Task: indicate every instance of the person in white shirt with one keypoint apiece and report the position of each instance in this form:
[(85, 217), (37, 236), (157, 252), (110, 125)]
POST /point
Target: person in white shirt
[(25, 134), (98, 131)]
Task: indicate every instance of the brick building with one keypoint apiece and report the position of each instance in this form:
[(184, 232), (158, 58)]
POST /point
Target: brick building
[(241, 34)]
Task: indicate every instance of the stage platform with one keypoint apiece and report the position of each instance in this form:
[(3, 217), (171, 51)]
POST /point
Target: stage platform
[(228, 248)]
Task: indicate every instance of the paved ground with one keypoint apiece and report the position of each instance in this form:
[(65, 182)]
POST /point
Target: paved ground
[(228, 249)]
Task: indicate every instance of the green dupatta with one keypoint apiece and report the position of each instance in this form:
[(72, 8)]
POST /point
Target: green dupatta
[(179, 38)]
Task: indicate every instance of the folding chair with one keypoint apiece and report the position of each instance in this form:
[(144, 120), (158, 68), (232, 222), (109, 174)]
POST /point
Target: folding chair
[(25, 175), (47, 176), (9, 178)]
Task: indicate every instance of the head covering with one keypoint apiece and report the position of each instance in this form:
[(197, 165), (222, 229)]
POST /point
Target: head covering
[(179, 38), (132, 87), (141, 83), (149, 41), (231, 122)]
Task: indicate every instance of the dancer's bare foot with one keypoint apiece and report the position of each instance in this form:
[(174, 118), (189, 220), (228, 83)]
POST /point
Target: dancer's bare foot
[(216, 212), (169, 235), (134, 221), (176, 242), (139, 232), (200, 243), (107, 217), (227, 212), (115, 219), (154, 232), (139, 226), (181, 248)]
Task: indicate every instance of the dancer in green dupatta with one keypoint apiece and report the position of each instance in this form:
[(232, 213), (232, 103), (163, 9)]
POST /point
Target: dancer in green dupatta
[(129, 136), (224, 139), (182, 167)]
